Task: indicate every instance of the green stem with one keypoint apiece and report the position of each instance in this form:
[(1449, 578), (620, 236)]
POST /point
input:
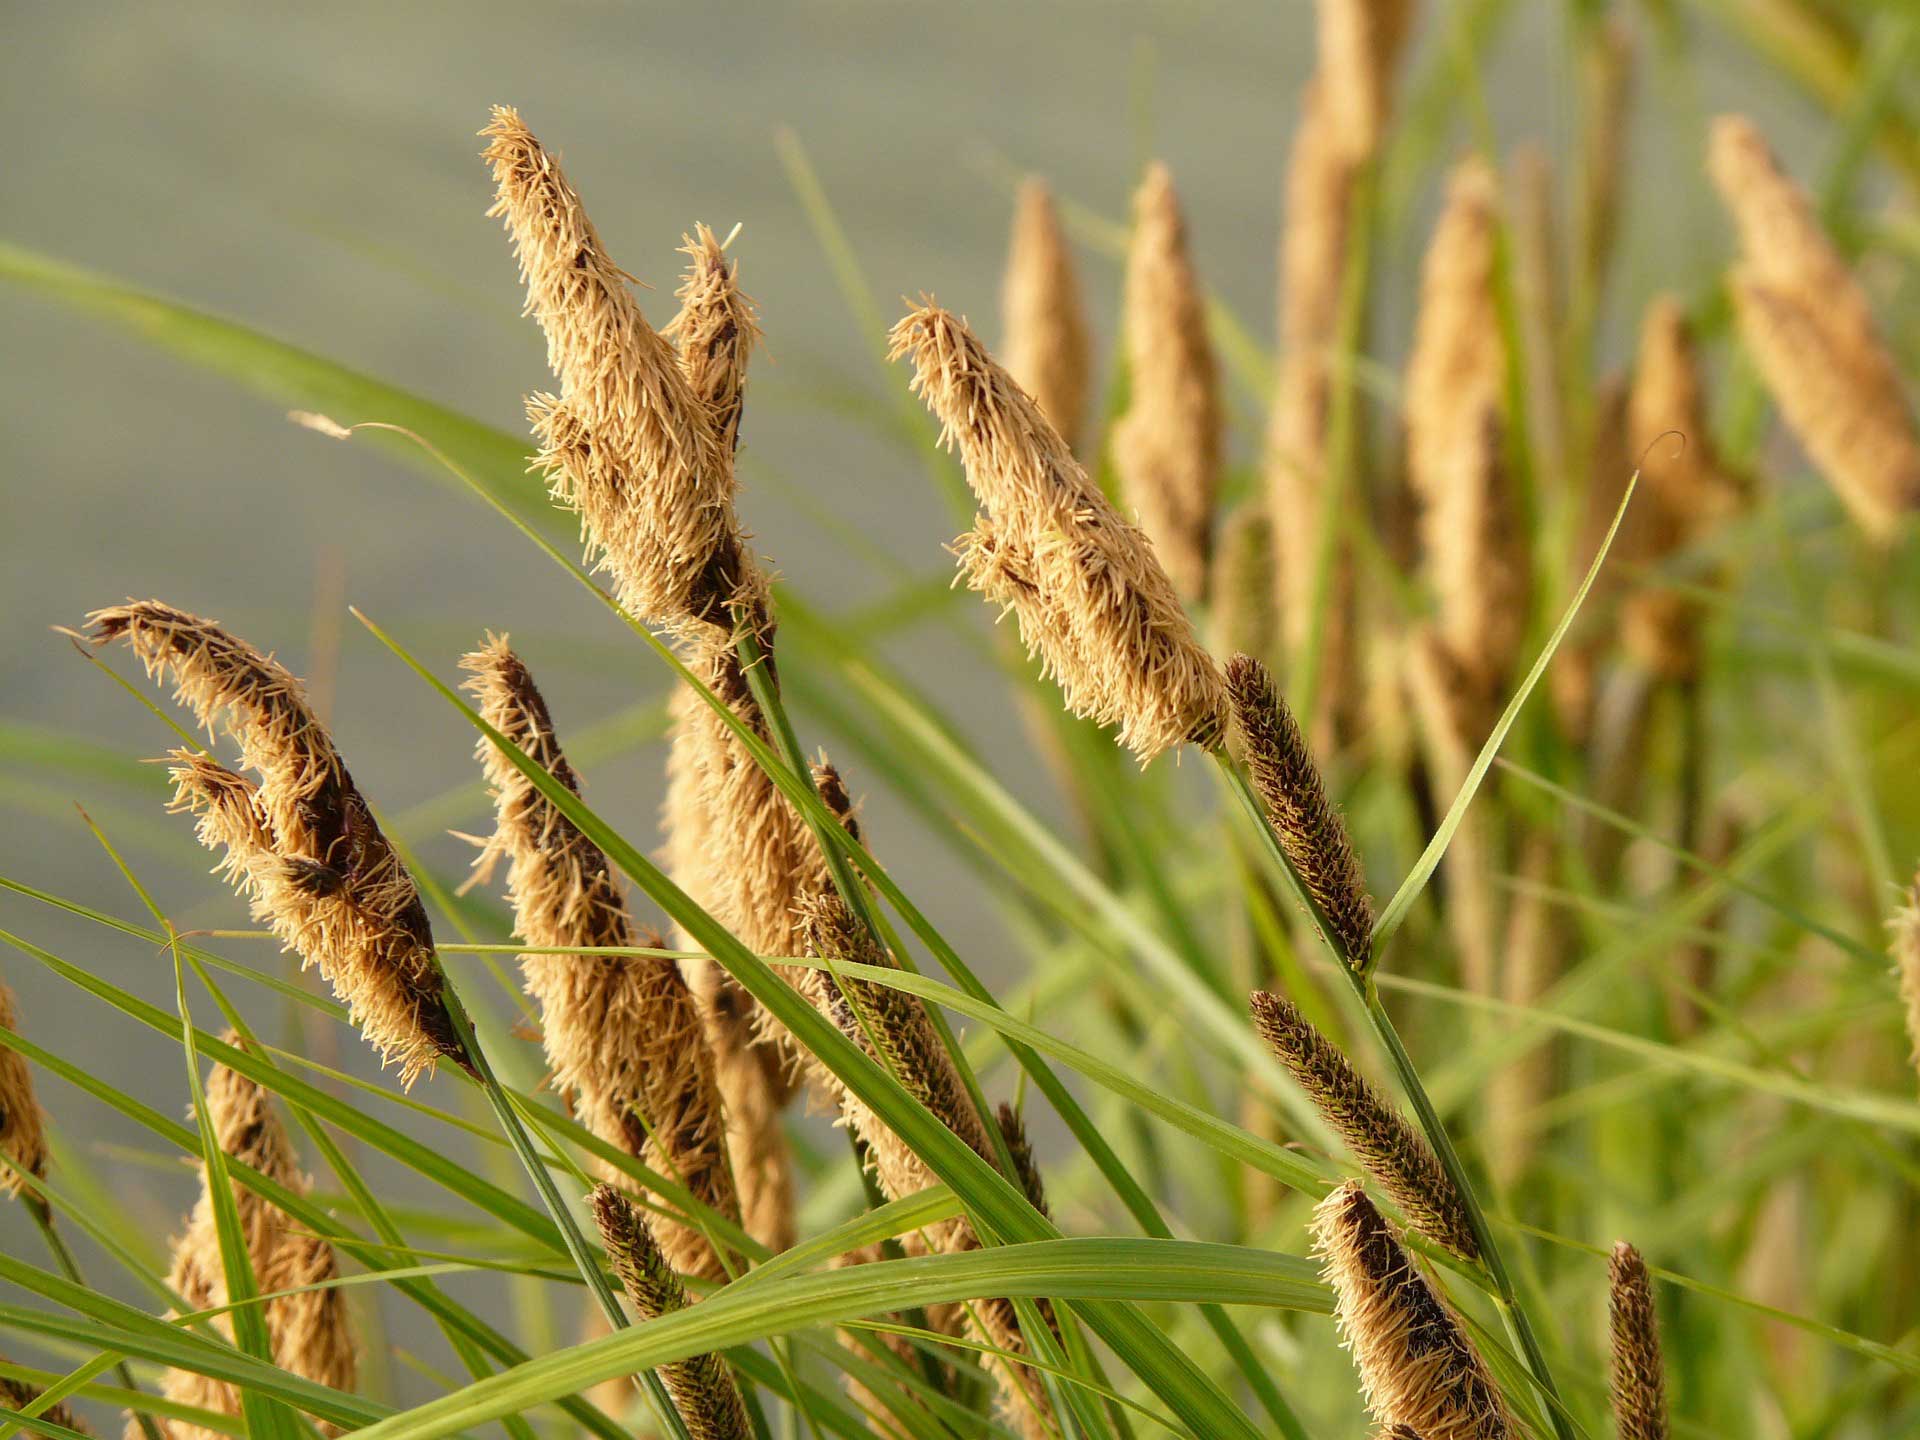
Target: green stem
[(70, 1267)]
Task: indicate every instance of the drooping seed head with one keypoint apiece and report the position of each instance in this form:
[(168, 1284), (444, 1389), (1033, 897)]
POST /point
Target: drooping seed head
[(1393, 1152), (1092, 600), (302, 844), (1639, 1379), (23, 1136), (622, 1032), (1304, 819), (1418, 1368), (1166, 448), (1045, 336), (1810, 328)]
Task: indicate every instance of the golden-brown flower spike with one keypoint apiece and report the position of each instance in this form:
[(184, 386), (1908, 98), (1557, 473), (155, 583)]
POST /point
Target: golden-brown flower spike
[(1166, 448), (1810, 329), (1091, 598), (1474, 545), (1379, 1136), (302, 845), (622, 1032), (627, 443), (1639, 1380), (16, 1395), (701, 1387), (1309, 829), (1905, 927), (309, 1333), (715, 331), (23, 1136), (1418, 1368), (893, 1028), (1045, 335)]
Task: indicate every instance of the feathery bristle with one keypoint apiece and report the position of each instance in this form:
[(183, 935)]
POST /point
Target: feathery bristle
[(302, 845), (893, 1028), (701, 1387), (1639, 1381), (310, 1333), (1418, 1368), (622, 1032), (715, 331), (1810, 329), (1379, 1136), (1166, 448), (1684, 491), (16, 1395), (23, 1136), (1906, 963), (627, 443), (1245, 618), (1304, 820), (1045, 335), (1092, 600), (1474, 545)]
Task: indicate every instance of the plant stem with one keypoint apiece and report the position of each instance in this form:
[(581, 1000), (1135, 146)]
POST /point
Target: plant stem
[(70, 1267)]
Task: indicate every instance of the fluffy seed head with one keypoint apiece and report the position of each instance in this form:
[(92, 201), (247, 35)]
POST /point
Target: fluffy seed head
[(1474, 545), (1043, 315), (1417, 1366), (1305, 821), (302, 845), (1810, 329), (627, 443), (309, 1334), (622, 1033), (715, 331), (23, 1135), (1379, 1136), (1639, 1380), (1359, 43), (1091, 598), (1166, 448), (702, 1388)]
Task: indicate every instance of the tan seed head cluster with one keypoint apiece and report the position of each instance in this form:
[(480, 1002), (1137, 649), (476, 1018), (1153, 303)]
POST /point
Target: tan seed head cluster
[(702, 1388), (23, 1136), (622, 1033), (1245, 618), (1810, 329), (1473, 543), (1393, 1152), (1046, 338), (1418, 1368), (1905, 927), (1092, 600), (1639, 1379), (302, 844), (1166, 448), (309, 1333)]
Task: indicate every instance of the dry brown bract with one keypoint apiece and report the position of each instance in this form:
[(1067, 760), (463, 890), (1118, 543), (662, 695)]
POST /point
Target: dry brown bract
[(1639, 1383), (1379, 1136), (1309, 829), (1043, 317), (302, 844), (701, 1386), (1809, 326), (23, 1136), (1474, 546), (1417, 1366), (627, 443), (308, 1333), (1166, 448), (622, 1033), (1091, 599)]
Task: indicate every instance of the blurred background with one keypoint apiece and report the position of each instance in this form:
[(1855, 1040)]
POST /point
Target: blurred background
[(312, 172)]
